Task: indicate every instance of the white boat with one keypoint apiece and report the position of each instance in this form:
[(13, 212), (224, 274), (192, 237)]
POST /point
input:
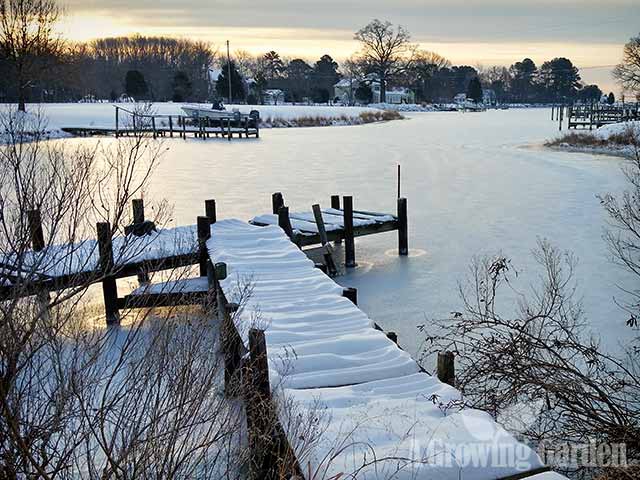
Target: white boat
[(200, 112)]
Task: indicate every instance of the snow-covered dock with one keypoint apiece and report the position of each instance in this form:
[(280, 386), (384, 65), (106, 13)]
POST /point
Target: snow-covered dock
[(381, 414)]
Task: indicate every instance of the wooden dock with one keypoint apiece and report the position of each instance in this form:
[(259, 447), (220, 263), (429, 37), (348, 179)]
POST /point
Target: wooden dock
[(300, 340), (596, 115), (129, 123), (144, 250)]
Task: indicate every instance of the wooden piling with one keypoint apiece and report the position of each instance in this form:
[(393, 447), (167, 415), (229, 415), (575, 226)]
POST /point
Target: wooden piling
[(446, 368), (277, 201), (109, 286), (231, 343), (210, 210), (220, 270), (351, 293), (204, 233), (403, 228), (285, 222), (335, 203), (36, 232), (117, 120), (137, 205), (349, 240)]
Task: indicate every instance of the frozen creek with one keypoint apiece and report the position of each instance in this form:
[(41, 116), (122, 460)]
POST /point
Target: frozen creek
[(475, 183)]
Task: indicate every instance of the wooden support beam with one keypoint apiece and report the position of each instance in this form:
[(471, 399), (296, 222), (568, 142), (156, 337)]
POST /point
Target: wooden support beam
[(277, 201), (204, 233), (349, 242), (446, 368), (210, 210), (322, 231), (403, 227), (109, 286), (351, 294)]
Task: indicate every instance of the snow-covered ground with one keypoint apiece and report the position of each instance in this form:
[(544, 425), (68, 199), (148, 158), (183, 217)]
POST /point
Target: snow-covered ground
[(59, 115), (621, 139)]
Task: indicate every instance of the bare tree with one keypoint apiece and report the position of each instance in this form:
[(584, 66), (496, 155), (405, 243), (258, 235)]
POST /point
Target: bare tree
[(78, 400), (28, 41), (542, 356), (385, 51), (628, 72)]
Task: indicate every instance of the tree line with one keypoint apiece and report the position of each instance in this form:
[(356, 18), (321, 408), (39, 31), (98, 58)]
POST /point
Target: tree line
[(40, 66)]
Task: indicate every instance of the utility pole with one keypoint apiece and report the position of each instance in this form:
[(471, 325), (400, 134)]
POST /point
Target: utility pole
[(229, 72)]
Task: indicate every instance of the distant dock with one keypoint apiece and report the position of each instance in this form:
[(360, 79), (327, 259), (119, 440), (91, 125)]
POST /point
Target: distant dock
[(129, 123)]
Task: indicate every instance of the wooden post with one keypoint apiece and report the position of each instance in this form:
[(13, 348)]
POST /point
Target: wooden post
[(117, 115), (403, 228), (393, 336), (285, 222), (109, 286), (35, 230), (261, 416), (133, 121), (204, 232), (322, 231), (446, 368), (184, 128), (229, 127), (335, 204), (349, 241), (210, 210), (137, 206), (398, 180), (231, 343), (277, 201), (351, 294)]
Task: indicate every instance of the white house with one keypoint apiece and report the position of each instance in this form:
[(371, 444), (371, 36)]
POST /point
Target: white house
[(344, 91)]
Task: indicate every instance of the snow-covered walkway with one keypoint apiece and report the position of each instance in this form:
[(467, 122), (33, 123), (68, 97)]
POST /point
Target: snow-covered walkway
[(380, 414)]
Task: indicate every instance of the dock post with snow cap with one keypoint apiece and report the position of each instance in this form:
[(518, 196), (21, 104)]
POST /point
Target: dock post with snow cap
[(446, 368), (277, 201)]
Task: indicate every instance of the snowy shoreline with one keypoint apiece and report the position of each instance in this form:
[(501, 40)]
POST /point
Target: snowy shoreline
[(51, 118), (617, 139)]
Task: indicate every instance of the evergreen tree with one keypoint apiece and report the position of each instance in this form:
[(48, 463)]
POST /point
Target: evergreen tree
[(135, 84), (590, 93), (611, 99), (182, 87), (522, 80), (474, 90), (237, 83), (560, 79), (324, 76)]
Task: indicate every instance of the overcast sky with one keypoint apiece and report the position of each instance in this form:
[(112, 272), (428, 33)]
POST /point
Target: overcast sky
[(490, 32)]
